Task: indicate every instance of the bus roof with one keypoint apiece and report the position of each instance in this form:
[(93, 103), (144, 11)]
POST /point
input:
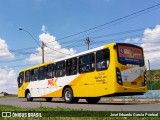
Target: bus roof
[(35, 66)]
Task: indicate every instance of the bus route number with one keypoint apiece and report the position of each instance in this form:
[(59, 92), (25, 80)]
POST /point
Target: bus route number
[(101, 77)]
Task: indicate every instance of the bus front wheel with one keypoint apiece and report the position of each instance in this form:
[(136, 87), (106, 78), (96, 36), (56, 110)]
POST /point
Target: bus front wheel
[(92, 100), (28, 96)]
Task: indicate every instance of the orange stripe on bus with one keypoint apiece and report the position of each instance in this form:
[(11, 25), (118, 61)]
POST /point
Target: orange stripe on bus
[(58, 93)]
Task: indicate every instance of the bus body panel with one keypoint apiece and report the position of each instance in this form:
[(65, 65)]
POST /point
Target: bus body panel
[(132, 77), (22, 89), (91, 84)]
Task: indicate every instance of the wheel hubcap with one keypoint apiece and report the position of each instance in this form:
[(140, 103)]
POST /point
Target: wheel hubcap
[(67, 95), (28, 95)]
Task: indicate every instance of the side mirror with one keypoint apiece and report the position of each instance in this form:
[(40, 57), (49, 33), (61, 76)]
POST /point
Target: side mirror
[(19, 79)]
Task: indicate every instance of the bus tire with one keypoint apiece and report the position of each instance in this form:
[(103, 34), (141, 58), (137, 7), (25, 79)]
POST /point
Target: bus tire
[(68, 95), (92, 100), (28, 96), (48, 99)]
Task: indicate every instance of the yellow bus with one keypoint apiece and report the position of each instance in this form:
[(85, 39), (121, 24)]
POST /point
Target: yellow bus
[(115, 69)]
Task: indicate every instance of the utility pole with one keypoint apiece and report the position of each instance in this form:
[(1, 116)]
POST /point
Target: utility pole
[(42, 47), (150, 81), (87, 42)]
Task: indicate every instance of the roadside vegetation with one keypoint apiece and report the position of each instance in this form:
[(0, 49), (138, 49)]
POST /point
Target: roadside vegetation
[(65, 114), (155, 79), (9, 95)]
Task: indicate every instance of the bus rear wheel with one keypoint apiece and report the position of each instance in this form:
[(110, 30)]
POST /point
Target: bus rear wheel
[(48, 99), (28, 96), (68, 96), (92, 100)]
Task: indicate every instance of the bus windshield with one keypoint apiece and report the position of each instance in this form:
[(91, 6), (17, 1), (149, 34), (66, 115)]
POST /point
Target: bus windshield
[(129, 54)]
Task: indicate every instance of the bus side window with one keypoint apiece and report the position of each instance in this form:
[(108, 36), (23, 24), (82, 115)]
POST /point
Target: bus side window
[(50, 71), (102, 59), (27, 76), (42, 73), (20, 79), (87, 63), (71, 66), (35, 74), (60, 69)]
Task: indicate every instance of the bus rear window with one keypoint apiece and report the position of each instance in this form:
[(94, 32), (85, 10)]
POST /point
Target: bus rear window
[(128, 54)]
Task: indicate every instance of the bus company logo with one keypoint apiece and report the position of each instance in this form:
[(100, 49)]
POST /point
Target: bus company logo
[(52, 82), (133, 70)]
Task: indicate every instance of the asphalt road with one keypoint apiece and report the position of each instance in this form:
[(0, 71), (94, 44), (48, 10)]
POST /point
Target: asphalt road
[(101, 106)]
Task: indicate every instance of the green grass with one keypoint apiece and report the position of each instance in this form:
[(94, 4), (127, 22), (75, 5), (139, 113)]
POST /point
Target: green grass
[(155, 85), (60, 110), (155, 77), (13, 108)]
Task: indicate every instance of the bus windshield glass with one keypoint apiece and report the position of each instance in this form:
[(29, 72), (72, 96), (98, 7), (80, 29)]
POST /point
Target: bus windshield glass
[(128, 54)]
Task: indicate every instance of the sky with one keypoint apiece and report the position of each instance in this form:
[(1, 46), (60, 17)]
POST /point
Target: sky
[(64, 25)]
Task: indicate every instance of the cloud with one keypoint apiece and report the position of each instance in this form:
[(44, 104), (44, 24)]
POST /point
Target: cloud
[(136, 40), (127, 40), (8, 82), (151, 46), (44, 29), (4, 52), (7, 75), (132, 40), (53, 50)]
